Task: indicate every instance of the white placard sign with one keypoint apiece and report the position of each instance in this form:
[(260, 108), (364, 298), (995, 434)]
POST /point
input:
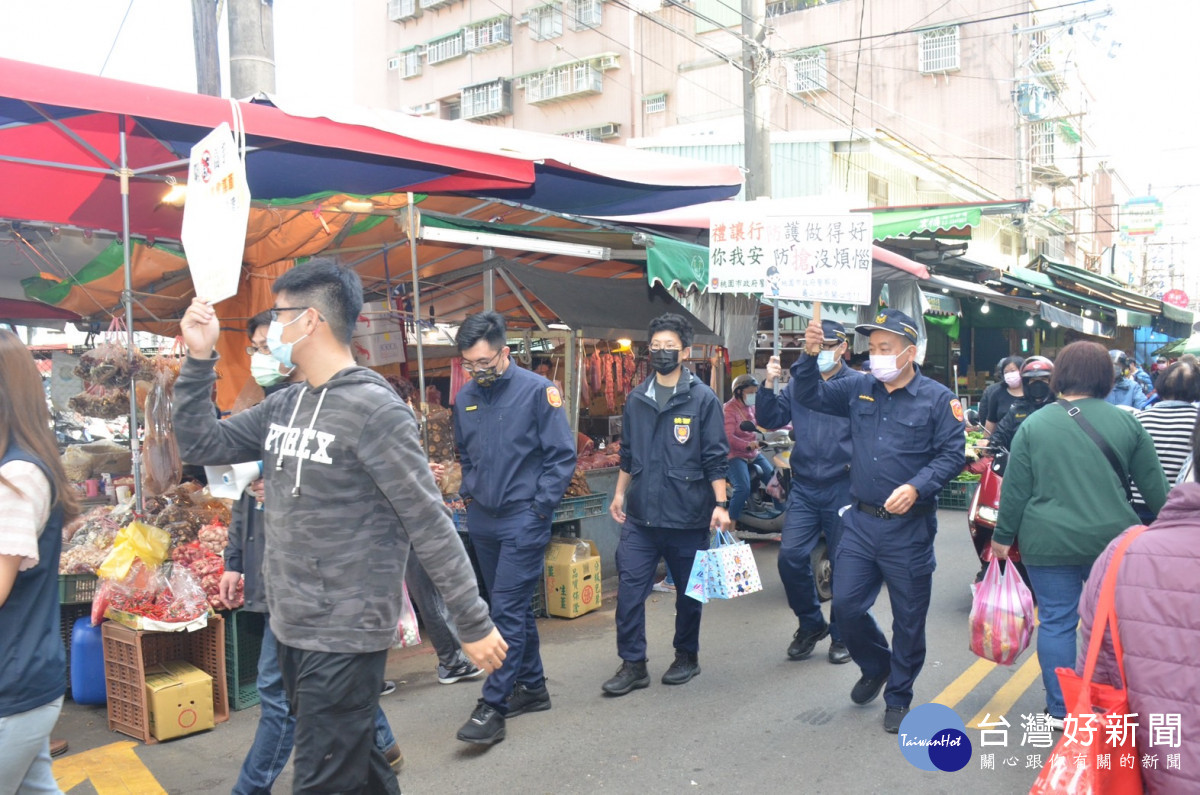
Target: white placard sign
[(806, 258), (215, 216)]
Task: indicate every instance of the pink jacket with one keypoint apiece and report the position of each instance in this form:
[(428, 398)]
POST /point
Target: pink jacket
[(1158, 616), (737, 412)]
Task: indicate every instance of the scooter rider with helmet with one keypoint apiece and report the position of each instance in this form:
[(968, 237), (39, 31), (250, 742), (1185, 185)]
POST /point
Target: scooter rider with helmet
[(1035, 378), (1125, 391), (744, 455)]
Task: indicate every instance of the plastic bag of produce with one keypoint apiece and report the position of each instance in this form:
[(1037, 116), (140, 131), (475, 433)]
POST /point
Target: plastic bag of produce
[(163, 467), (1001, 615), (408, 634), (137, 540)]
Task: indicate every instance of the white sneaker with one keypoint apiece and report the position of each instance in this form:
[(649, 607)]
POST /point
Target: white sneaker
[(1055, 724), (662, 586)]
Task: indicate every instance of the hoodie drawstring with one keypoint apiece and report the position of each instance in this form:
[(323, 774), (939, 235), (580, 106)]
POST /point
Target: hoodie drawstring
[(311, 423)]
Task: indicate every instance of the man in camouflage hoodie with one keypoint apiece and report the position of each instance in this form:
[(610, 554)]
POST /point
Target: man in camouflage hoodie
[(343, 501)]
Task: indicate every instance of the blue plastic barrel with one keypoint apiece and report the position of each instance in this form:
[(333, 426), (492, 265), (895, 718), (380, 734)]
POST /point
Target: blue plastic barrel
[(87, 663)]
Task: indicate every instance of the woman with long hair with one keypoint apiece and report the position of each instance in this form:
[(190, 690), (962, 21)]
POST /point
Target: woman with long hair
[(35, 500)]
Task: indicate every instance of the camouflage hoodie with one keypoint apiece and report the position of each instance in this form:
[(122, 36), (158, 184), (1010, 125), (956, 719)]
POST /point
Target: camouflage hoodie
[(347, 488)]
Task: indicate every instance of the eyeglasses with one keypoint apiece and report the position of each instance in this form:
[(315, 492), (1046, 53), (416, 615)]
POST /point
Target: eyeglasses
[(471, 367), (253, 349), (275, 310), (665, 348), (831, 346)]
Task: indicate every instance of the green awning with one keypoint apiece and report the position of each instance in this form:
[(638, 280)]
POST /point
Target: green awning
[(941, 222), (1172, 312), (670, 262), (1127, 318)]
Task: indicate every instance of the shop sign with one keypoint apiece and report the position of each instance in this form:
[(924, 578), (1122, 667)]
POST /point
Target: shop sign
[(800, 257), (1141, 216), (215, 216), (1176, 298)]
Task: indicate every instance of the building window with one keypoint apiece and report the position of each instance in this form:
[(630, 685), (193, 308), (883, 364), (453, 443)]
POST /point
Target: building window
[(408, 62), (807, 72), (877, 191), (393, 63), (655, 103), (400, 10), (1042, 136), (563, 82), (585, 14), (487, 34), (445, 48), (599, 133), (450, 108), (487, 99), (939, 50), (546, 22)]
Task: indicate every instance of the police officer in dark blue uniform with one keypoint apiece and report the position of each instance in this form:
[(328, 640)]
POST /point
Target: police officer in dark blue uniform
[(669, 494), (907, 432), (518, 456), (820, 489)]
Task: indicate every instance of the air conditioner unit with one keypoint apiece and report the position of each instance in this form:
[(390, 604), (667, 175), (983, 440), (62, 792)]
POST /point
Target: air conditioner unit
[(521, 20), (610, 130), (393, 64), (609, 62)]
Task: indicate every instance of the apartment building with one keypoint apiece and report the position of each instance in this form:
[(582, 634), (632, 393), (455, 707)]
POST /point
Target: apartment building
[(883, 103)]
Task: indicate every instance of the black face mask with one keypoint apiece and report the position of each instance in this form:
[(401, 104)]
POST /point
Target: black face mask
[(1038, 390), (665, 361), (486, 378)]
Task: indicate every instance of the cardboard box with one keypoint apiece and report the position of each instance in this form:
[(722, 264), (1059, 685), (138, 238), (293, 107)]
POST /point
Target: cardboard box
[(180, 699), (376, 349), (572, 583), (377, 317)]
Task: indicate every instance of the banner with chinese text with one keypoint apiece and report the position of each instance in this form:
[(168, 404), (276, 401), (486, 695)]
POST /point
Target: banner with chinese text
[(806, 258)]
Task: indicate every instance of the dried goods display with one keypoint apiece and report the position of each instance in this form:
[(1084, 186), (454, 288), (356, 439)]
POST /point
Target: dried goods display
[(162, 465), (109, 364)]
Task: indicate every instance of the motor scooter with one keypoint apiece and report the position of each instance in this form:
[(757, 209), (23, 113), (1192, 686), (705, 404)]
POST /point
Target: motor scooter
[(984, 510)]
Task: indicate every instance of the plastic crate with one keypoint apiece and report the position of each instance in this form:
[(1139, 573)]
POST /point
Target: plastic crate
[(958, 494), (127, 653), (243, 645), (76, 589), (573, 508), (67, 615)]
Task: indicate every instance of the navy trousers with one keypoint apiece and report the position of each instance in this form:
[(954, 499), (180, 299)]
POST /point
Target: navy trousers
[(899, 552), (511, 551), (638, 553), (811, 511)]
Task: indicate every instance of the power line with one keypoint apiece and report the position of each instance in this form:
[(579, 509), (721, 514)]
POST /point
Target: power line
[(116, 37)]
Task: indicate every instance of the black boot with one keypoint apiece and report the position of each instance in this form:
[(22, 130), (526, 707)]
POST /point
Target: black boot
[(685, 667), (630, 676)]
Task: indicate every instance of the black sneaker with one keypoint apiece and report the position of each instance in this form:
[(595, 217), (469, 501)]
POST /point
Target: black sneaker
[(892, 717), (528, 699), (685, 667), (485, 727), (456, 673), (803, 643), (630, 676), (867, 688), (838, 653), (388, 688)]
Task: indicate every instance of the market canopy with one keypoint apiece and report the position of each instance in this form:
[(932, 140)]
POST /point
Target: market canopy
[(937, 220), (60, 154)]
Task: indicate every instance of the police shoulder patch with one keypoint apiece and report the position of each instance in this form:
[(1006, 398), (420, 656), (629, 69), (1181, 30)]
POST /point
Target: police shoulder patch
[(553, 397), (957, 409)]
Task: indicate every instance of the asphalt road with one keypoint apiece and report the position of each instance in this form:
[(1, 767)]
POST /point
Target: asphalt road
[(753, 721)]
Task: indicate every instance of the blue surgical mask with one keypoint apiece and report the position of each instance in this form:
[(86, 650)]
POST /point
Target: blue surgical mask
[(826, 361), (282, 351)]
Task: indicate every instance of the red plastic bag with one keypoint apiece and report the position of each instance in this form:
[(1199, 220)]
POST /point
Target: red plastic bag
[(1001, 615)]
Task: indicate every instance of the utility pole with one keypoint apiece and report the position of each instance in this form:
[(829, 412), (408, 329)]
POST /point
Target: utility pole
[(251, 48), (756, 99), (205, 18)]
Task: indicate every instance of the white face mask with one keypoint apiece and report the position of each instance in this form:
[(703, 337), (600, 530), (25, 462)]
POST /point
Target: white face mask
[(885, 368), (748, 399)]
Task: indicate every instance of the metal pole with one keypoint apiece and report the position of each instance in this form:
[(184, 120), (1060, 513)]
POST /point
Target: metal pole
[(775, 345), (412, 247), (569, 377), (127, 299)]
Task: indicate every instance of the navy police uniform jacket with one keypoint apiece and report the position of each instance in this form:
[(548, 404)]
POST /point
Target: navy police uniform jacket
[(674, 455), (514, 443), (914, 435), (823, 447)]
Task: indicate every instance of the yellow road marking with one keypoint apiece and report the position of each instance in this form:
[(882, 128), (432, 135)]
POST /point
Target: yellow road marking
[(112, 769), (957, 690), (1009, 692)]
